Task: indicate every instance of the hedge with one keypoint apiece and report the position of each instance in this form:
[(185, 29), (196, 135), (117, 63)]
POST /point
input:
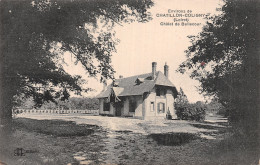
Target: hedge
[(188, 111)]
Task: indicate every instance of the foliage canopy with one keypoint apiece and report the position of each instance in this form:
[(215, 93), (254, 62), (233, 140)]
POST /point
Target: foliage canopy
[(35, 35), (224, 58)]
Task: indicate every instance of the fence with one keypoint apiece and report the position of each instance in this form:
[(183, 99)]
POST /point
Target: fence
[(58, 111)]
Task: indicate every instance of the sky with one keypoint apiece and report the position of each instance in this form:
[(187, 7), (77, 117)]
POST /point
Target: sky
[(144, 43)]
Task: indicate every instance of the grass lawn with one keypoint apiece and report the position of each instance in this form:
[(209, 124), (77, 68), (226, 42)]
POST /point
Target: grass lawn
[(57, 128), (50, 141), (57, 142)]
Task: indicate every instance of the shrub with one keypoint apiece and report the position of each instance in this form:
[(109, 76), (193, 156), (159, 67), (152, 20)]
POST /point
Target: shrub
[(186, 111), (217, 108)]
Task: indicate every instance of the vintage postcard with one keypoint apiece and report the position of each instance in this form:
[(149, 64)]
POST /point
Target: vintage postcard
[(160, 82)]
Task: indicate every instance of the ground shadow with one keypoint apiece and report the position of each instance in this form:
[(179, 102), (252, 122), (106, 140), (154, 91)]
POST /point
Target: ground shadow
[(206, 126), (172, 139)]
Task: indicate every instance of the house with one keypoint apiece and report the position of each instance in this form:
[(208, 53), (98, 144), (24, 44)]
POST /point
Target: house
[(144, 96)]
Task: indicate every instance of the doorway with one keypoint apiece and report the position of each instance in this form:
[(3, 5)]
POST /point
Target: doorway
[(119, 108)]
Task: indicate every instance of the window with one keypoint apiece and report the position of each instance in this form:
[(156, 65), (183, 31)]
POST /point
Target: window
[(106, 107), (138, 81), (152, 107), (132, 105), (161, 108)]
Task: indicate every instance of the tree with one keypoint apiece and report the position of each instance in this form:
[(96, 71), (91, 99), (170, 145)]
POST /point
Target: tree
[(215, 107), (35, 34), (188, 111), (224, 59), (181, 97)]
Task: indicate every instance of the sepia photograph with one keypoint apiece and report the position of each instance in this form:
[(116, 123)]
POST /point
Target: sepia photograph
[(129, 82)]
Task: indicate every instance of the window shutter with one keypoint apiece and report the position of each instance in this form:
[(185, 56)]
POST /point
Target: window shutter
[(163, 107)]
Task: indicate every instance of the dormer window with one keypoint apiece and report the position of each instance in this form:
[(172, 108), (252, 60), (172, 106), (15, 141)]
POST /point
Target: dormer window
[(115, 83), (139, 81), (149, 78)]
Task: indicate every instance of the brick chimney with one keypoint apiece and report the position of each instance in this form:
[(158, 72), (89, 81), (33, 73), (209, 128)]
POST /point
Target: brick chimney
[(166, 70), (154, 65)]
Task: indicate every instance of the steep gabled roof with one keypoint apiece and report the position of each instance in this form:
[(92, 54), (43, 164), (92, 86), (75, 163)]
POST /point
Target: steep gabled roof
[(128, 86), (161, 79)]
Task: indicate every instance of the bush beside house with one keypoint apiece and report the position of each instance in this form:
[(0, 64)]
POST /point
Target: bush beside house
[(187, 111)]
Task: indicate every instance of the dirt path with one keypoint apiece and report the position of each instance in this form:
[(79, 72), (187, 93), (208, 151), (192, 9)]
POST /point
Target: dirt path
[(119, 138), (124, 124)]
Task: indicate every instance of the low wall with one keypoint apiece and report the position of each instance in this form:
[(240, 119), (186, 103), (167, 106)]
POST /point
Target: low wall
[(46, 111)]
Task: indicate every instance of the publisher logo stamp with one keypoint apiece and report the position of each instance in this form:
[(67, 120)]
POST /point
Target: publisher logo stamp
[(19, 152), (22, 152)]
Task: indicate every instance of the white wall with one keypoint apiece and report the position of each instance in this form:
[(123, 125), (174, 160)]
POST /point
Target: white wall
[(139, 108), (160, 99), (148, 100), (143, 109), (170, 104), (168, 100), (101, 104), (126, 108), (101, 108), (111, 110)]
